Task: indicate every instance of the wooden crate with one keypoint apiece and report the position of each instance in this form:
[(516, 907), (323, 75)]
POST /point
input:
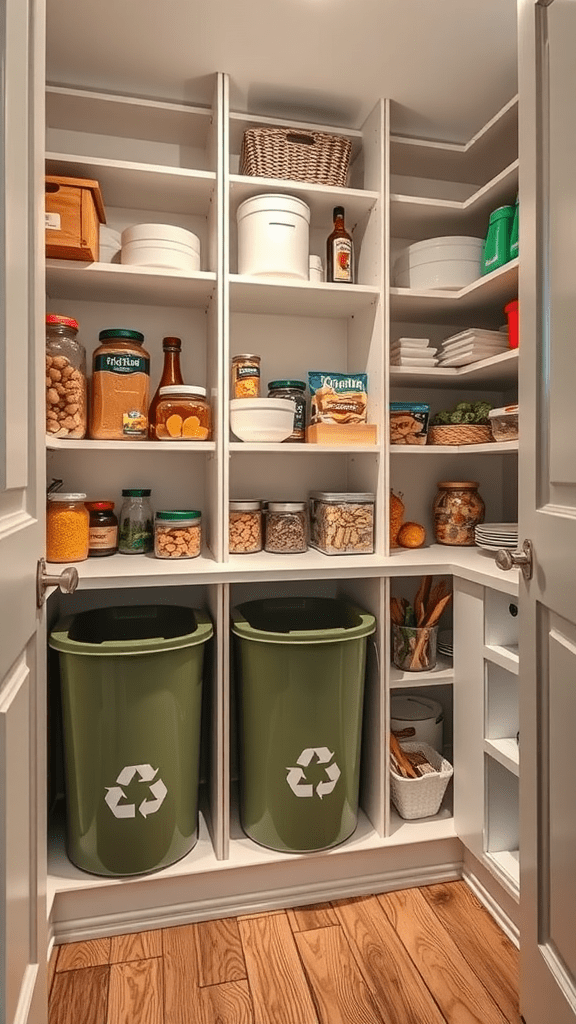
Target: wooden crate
[(74, 212), (342, 433)]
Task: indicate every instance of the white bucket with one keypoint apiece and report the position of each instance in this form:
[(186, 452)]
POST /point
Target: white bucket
[(452, 261), (420, 713), (161, 245), (273, 236)]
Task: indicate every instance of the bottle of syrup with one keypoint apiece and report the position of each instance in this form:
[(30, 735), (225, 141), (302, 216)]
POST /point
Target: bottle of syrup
[(171, 374), (340, 251)]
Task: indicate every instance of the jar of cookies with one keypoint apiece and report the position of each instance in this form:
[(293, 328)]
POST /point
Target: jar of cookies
[(245, 527), (65, 379), (178, 534)]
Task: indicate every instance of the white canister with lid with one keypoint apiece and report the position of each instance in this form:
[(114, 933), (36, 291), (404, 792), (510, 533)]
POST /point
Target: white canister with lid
[(315, 269), (423, 715), (273, 236), (161, 245)]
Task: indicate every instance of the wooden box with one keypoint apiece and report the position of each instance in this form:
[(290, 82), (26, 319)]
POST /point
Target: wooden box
[(74, 212), (342, 433)]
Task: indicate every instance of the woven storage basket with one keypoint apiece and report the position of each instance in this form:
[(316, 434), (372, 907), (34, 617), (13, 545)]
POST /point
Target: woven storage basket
[(419, 798), (295, 155), (460, 433)]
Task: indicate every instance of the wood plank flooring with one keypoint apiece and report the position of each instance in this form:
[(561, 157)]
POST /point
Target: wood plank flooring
[(420, 956)]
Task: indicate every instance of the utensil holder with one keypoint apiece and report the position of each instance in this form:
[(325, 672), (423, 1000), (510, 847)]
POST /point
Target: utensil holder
[(414, 647)]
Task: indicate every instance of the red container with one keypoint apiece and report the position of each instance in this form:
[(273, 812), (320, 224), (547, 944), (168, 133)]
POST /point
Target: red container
[(511, 311)]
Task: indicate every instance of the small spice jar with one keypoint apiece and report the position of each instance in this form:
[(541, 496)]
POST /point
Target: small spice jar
[(67, 528), (136, 535), (294, 390), (286, 527), (245, 376), (103, 532), (457, 510), (178, 534), (120, 387), (245, 527), (65, 379), (183, 414)]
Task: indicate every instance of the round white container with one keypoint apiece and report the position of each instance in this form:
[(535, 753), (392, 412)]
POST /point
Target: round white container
[(315, 269), (161, 245), (110, 245), (262, 419), (451, 261), (273, 236), (420, 713)]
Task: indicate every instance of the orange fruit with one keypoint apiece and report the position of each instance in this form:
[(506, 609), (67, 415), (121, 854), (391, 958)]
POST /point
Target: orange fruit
[(411, 535)]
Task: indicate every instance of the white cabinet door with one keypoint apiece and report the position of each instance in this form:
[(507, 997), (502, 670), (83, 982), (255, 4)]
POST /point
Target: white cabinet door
[(22, 647), (547, 510)]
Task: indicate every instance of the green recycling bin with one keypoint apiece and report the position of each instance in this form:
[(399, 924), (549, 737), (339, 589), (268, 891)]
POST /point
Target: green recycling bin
[(300, 665), (131, 682)]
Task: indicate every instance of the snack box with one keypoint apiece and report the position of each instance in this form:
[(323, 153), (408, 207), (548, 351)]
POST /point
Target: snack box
[(409, 422), (504, 423)]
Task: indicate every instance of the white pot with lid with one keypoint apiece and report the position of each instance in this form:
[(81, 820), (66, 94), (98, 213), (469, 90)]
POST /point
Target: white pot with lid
[(161, 245), (423, 715), (273, 236)]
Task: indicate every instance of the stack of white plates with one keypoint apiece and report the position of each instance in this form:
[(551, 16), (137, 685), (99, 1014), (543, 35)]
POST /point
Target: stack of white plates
[(445, 644), (493, 536), (471, 345), (412, 352)]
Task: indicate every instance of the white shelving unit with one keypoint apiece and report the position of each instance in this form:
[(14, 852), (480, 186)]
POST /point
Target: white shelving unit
[(177, 164)]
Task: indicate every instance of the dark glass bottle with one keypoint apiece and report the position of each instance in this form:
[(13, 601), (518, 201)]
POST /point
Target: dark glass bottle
[(171, 374), (340, 251)]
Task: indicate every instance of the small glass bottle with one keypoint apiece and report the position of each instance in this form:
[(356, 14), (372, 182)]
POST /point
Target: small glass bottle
[(339, 251), (171, 374), (65, 379), (294, 390), (136, 535), (67, 528), (103, 533), (286, 527)]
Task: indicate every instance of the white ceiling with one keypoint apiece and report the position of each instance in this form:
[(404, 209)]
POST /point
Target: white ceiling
[(449, 65)]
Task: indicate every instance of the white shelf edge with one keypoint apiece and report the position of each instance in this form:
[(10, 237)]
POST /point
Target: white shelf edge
[(443, 374), (457, 147), (304, 448), (273, 122), (315, 188), (506, 752), (64, 443), (505, 865), (504, 657), (134, 101), (494, 448), (453, 205), (440, 295), (186, 173), (442, 673)]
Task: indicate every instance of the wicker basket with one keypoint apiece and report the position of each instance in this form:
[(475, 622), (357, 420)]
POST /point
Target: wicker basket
[(295, 155), (419, 798), (460, 433)]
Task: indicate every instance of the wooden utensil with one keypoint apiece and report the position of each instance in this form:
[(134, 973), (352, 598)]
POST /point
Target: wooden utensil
[(404, 764), (421, 598)]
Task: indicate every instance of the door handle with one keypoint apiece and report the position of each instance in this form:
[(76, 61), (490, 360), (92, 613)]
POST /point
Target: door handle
[(67, 581), (522, 559)]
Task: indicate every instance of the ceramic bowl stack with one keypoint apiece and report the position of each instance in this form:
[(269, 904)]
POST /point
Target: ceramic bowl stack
[(445, 643), (471, 345), (413, 352), (493, 536)]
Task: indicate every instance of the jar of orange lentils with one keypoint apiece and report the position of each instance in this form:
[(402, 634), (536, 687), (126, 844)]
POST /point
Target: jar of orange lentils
[(67, 528)]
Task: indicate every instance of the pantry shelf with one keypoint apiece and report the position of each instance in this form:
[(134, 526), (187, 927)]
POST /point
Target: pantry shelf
[(320, 198), (505, 656), (497, 372), (304, 449), (442, 672), (494, 448), (484, 298), (109, 282), (299, 298), (57, 443), (506, 752)]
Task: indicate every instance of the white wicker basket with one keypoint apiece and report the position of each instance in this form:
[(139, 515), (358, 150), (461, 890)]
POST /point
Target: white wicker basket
[(419, 798)]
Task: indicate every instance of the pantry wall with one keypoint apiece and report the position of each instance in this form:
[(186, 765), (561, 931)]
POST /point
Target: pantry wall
[(180, 165)]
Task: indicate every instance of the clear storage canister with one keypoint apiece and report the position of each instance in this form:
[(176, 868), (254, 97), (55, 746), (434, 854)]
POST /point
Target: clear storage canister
[(286, 527), (342, 523), (65, 379), (178, 534), (136, 535), (67, 528), (245, 527)]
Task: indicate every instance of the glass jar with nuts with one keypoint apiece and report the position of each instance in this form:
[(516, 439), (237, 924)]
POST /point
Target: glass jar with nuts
[(178, 534), (286, 527), (245, 527), (65, 379)]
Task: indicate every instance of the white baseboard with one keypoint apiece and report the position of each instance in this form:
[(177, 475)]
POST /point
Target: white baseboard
[(502, 919)]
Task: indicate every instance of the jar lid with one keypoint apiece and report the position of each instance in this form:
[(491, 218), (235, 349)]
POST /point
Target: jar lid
[(286, 506), (506, 410), (245, 506), (274, 385), (244, 355), (100, 506), (120, 332), (335, 497), (137, 492), (179, 515), (183, 389), (61, 496), (66, 321), (459, 484)]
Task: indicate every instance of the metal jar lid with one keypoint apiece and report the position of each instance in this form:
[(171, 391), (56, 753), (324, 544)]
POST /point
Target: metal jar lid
[(286, 506), (245, 506), (61, 496), (336, 497), (179, 516), (124, 335), (188, 390), (245, 355)]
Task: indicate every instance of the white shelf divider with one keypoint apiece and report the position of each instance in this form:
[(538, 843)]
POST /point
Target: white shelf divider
[(443, 672), (69, 444), (485, 298), (506, 752), (494, 372), (494, 448), (111, 282), (506, 657)]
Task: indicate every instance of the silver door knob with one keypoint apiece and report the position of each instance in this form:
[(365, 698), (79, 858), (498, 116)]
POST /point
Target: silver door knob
[(66, 581), (522, 559)]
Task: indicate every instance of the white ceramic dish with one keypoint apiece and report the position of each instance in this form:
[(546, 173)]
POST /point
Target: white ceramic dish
[(412, 342), (263, 420), (161, 245), (474, 334), (450, 261), (463, 358)]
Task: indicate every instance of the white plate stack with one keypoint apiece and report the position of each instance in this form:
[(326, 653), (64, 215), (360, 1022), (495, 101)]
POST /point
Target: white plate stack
[(413, 352), (445, 644), (493, 536), (471, 345)]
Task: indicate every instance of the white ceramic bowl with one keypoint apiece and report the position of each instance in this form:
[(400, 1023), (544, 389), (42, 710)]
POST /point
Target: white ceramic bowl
[(161, 245), (262, 419), (451, 261)]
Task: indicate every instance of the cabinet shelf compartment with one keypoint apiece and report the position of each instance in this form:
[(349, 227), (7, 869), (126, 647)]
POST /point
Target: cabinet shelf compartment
[(198, 447), (502, 831), (493, 448), (484, 298), (505, 751), (496, 372), (501, 715), (302, 298), (320, 198), (442, 672), (109, 282)]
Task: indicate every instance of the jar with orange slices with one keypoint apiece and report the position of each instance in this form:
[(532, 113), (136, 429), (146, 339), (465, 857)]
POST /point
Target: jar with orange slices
[(183, 414)]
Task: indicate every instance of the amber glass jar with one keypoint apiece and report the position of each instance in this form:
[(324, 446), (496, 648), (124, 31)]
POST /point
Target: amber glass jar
[(457, 510), (65, 379), (103, 533), (245, 376), (67, 528), (120, 387), (183, 414)]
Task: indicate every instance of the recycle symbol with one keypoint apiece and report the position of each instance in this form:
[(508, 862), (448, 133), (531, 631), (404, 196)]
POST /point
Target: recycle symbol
[(296, 777), (114, 794)]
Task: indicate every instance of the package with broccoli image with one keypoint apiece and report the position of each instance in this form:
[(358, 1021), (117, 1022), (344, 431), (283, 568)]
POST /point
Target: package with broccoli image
[(409, 422)]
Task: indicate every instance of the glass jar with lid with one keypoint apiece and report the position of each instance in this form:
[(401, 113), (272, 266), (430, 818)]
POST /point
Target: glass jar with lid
[(65, 378), (294, 390), (182, 414), (67, 527), (457, 510), (245, 376), (103, 533), (178, 534), (120, 387), (286, 527), (136, 535), (245, 527)]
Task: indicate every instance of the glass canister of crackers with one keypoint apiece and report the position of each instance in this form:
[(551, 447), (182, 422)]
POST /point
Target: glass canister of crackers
[(409, 422), (338, 397)]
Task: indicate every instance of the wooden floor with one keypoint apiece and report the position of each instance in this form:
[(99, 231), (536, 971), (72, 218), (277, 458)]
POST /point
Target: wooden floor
[(420, 956)]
